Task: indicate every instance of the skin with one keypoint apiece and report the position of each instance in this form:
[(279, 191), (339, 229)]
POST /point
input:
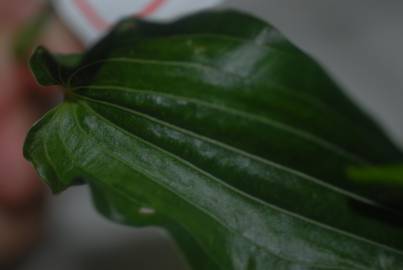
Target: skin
[(21, 103)]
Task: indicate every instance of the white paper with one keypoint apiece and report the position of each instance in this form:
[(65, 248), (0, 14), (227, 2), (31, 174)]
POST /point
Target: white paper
[(90, 19)]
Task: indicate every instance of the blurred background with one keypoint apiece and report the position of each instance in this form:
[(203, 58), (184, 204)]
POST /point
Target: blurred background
[(358, 42)]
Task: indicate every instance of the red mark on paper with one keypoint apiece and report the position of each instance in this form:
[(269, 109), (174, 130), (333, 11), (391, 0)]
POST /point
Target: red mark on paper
[(151, 8), (91, 15), (99, 23)]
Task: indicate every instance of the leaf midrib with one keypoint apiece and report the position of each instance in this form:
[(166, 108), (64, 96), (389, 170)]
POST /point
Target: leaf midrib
[(295, 130), (200, 66), (276, 89), (273, 123), (242, 79), (239, 151)]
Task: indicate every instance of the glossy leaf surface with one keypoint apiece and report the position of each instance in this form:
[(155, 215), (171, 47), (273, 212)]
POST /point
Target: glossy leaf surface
[(218, 129)]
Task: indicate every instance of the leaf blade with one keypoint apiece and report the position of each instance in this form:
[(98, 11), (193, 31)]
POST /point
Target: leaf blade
[(225, 184)]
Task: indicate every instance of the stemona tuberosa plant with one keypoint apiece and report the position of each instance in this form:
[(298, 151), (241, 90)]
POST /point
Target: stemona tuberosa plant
[(218, 129)]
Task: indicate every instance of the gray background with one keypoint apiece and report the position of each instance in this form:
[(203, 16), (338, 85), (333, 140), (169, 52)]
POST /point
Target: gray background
[(359, 42)]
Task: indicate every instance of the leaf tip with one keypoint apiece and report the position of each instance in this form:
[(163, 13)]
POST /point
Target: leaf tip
[(44, 67)]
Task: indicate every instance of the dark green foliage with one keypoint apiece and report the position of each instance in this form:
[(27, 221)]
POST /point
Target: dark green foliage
[(218, 129)]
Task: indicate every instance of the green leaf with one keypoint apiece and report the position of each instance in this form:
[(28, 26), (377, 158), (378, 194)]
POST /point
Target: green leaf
[(218, 129), (392, 174), (387, 181)]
